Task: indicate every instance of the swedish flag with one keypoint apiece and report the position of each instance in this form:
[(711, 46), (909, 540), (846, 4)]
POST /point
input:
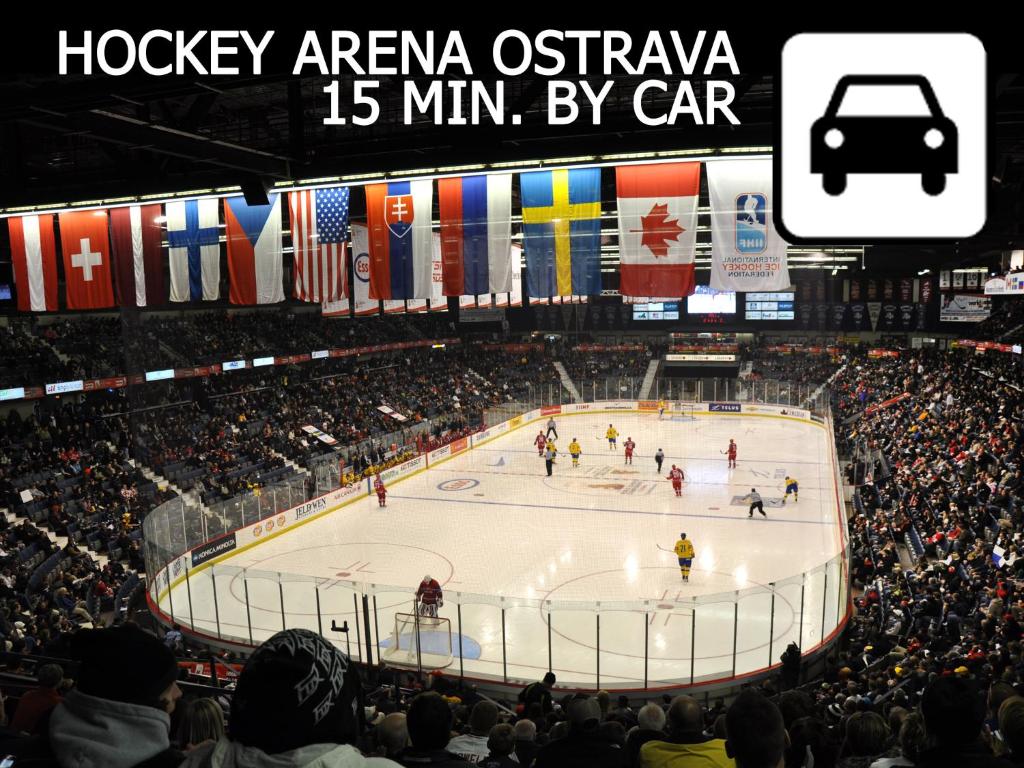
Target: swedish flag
[(562, 231)]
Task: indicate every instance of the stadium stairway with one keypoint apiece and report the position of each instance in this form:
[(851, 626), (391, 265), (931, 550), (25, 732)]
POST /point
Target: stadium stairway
[(649, 377), (567, 381)]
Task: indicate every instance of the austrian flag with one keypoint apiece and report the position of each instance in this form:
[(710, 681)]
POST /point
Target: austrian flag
[(657, 228)]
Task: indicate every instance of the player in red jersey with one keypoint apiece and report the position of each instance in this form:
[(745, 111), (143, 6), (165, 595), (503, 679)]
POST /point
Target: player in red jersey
[(731, 451), (429, 597), (382, 492), (628, 446), (541, 442), (676, 476)]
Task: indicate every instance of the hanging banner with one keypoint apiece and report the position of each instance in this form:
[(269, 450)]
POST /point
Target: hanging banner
[(889, 312), (364, 305), (872, 290), (927, 289), (906, 289), (516, 296), (747, 254), (438, 301), (483, 300), (416, 305), (958, 279), (838, 316), (973, 280), (887, 290), (467, 302), (394, 307), (874, 311), (907, 317), (859, 313), (855, 290), (944, 279), (336, 308), (960, 308)]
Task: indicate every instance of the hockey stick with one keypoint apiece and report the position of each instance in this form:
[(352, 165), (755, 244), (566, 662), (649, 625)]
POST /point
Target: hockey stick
[(671, 551)]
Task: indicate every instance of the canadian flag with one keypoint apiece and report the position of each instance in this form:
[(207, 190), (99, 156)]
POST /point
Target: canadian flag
[(34, 256), (85, 244), (657, 228)]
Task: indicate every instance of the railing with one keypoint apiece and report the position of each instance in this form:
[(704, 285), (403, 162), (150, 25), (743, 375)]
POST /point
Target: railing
[(673, 641)]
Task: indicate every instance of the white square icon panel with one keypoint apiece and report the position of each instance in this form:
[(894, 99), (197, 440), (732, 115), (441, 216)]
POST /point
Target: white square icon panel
[(883, 136)]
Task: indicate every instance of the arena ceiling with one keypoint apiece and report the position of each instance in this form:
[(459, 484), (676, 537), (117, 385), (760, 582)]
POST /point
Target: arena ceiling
[(72, 139)]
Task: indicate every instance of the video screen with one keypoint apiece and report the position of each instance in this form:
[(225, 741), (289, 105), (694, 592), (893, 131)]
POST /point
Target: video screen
[(706, 301)]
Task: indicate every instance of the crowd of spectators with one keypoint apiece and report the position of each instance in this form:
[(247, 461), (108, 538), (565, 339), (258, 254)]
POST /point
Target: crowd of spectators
[(590, 366)]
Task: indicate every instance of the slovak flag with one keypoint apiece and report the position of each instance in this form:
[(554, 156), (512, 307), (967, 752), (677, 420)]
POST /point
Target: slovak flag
[(398, 217), (255, 265), (476, 234), (85, 244), (657, 228), (34, 257)]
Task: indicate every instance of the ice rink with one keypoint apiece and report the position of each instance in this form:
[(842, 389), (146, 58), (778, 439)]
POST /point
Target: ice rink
[(565, 565)]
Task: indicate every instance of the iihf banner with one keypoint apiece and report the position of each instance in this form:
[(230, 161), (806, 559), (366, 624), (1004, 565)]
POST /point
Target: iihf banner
[(364, 305), (747, 253), (438, 301)]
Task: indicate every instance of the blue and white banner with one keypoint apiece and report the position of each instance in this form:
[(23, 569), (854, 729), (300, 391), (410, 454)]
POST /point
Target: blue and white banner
[(747, 253)]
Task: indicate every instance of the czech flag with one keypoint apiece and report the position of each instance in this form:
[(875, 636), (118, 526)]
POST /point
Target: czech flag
[(476, 234), (401, 244), (255, 263)]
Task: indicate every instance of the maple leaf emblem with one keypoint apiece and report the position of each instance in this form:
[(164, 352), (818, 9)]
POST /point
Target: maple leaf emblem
[(658, 229)]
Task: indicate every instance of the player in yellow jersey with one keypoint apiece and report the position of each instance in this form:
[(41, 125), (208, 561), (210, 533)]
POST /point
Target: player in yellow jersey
[(792, 486), (611, 434), (661, 408), (575, 451), (684, 551)]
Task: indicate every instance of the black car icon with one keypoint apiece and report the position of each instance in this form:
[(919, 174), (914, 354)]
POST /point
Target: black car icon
[(924, 144)]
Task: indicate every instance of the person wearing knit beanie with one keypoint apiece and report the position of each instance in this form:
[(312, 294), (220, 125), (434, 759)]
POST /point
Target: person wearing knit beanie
[(298, 702)]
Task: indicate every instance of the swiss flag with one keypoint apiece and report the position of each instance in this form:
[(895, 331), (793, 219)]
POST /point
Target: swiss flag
[(657, 228), (85, 245)]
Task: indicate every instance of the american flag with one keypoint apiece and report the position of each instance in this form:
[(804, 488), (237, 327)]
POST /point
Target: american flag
[(319, 226)]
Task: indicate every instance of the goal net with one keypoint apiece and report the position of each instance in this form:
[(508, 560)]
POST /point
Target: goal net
[(419, 641)]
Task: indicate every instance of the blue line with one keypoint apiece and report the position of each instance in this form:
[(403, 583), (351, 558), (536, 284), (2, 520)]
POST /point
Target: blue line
[(601, 509)]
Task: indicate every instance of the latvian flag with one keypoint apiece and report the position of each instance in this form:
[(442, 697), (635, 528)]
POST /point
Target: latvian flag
[(319, 220), (398, 216), (253, 234), (34, 253), (135, 237), (476, 234), (657, 228)]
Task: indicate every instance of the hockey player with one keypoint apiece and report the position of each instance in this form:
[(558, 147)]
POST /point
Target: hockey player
[(628, 447), (684, 551), (611, 434), (382, 492), (429, 597), (541, 442), (791, 487), (755, 502), (659, 457), (661, 408), (575, 451), (676, 476), (731, 451)]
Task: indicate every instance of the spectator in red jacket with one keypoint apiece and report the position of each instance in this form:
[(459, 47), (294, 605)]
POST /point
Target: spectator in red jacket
[(33, 712)]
